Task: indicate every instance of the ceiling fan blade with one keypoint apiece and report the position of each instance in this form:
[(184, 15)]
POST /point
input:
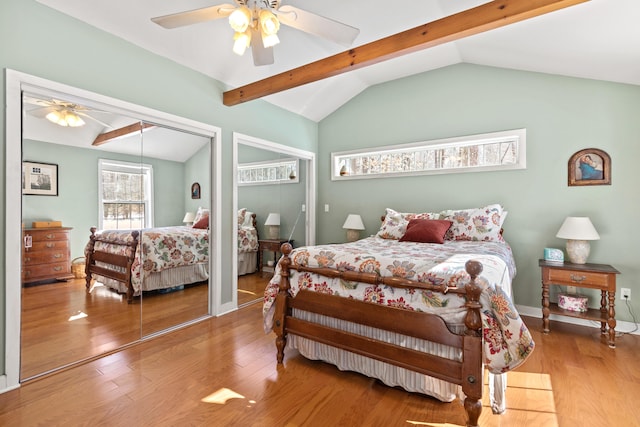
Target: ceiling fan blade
[(196, 16), (100, 122), (261, 55), (40, 112), (318, 25)]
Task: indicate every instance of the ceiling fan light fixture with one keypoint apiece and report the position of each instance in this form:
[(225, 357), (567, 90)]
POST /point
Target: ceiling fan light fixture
[(241, 42), (240, 19), (65, 118), (269, 24)]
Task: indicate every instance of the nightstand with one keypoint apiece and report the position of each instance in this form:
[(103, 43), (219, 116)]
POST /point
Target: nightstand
[(272, 245), (592, 276)]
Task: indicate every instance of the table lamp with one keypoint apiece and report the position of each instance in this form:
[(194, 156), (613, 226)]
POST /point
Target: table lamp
[(273, 225), (353, 225), (578, 230), (189, 217)]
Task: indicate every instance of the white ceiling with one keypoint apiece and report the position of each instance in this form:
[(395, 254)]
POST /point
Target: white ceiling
[(599, 39)]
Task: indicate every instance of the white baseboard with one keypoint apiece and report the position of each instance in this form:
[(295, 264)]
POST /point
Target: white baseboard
[(621, 326), (3, 385)]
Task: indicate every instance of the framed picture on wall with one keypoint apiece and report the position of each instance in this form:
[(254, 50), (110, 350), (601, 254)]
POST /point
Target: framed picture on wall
[(590, 167), (195, 190), (39, 179)]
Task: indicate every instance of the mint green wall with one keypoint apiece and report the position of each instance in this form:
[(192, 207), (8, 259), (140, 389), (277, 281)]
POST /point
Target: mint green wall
[(107, 65), (561, 115), (77, 202), (197, 169), (285, 199)]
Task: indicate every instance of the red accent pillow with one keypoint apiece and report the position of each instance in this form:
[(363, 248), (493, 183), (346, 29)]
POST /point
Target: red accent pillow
[(426, 230), (202, 222)]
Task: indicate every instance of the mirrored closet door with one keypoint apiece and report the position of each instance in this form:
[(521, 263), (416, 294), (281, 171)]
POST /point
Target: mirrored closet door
[(272, 182), (86, 165)]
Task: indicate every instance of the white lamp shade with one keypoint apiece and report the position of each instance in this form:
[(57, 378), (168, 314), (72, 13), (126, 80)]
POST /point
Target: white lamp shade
[(353, 222), (273, 219), (578, 228), (189, 217)]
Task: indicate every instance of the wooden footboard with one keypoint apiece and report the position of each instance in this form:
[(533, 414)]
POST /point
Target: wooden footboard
[(116, 267), (466, 372)]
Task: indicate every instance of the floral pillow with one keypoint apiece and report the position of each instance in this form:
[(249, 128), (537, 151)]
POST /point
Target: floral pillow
[(242, 215), (478, 224), (395, 223), (200, 213), (248, 219), (202, 223)]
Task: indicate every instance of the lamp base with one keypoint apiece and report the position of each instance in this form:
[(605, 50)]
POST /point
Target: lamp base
[(274, 232), (578, 251), (353, 235)]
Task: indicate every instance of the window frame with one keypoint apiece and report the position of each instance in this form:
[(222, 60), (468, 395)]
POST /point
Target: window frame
[(292, 164), (127, 167), (517, 135)]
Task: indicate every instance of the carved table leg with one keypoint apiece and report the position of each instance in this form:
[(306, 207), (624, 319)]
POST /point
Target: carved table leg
[(604, 310), (545, 308), (612, 319)]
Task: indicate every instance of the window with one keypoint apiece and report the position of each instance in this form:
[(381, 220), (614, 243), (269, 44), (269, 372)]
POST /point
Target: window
[(268, 172), (487, 152), (126, 195)]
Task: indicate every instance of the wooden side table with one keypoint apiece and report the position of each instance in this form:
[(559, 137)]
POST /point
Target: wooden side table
[(272, 245), (593, 276)]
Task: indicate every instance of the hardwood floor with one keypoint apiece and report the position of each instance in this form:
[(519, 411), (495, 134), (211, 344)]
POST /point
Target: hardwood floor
[(251, 287), (63, 323), (223, 371)]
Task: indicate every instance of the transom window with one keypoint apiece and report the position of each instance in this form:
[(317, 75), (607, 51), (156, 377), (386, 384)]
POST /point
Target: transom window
[(282, 171), (475, 153), (126, 195)]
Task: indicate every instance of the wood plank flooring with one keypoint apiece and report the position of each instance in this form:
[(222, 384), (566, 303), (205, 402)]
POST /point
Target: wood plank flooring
[(63, 323), (222, 372)]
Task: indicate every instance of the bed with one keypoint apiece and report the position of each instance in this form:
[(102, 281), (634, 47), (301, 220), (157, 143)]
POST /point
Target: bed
[(159, 259), (247, 242), (425, 316)]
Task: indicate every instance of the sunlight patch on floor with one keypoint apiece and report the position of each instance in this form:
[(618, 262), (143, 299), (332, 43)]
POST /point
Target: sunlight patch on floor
[(242, 291), (221, 396), (80, 315)]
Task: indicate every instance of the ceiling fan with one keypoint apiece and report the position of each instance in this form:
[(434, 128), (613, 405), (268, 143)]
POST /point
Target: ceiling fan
[(62, 113), (256, 24)]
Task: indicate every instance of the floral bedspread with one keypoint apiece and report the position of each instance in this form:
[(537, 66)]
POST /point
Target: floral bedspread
[(507, 341), (159, 248), (247, 239)]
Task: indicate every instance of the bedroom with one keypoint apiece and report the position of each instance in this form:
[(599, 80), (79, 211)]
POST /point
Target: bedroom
[(562, 115)]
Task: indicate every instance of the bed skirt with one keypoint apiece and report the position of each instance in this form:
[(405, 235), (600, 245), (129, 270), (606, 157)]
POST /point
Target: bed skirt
[(247, 263), (391, 375), (164, 279)]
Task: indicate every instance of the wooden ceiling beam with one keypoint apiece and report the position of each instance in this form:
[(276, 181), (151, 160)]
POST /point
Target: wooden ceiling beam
[(485, 17), (103, 138)]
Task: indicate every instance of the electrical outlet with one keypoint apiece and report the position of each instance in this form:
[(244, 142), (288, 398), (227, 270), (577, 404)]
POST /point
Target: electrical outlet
[(571, 289), (625, 294)]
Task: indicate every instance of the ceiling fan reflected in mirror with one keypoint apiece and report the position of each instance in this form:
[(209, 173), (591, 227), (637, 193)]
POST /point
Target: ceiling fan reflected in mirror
[(256, 24), (62, 113)]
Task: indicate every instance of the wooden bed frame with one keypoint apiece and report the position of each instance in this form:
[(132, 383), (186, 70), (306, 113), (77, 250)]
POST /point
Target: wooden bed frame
[(123, 261), (468, 372)]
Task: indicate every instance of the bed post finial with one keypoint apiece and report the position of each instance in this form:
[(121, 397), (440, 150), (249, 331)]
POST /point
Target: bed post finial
[(281, 300), (472, 320)]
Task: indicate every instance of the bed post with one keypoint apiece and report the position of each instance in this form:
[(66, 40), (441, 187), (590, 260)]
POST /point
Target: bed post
[(472, 386), (89, 253), (281, 301)]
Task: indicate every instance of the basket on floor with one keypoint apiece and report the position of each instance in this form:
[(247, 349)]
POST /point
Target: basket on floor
[(77, 267)]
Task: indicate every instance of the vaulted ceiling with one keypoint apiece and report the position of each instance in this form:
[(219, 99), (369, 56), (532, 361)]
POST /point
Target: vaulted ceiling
[(599, 39)]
